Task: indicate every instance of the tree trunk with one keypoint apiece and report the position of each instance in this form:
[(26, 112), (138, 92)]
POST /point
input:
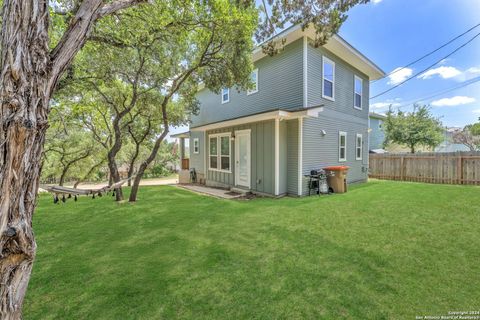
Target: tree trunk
[(115, 175), (24, 110), (412, 149), (145, 164), (29, 75), (63, 175)]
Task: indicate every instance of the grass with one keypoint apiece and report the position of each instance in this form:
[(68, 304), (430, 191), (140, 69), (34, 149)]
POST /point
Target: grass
[(384, 250)]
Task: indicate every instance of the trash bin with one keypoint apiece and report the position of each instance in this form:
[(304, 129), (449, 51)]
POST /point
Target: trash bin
[(337, 178)]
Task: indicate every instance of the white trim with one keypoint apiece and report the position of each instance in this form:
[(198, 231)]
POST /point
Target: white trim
[(332, 98), (305, 71), (269, 115), (355, 78), (249, 157), (219, 151), (359, 135), (206, 154), (228, 93), (249, 92), (195, 140), (277, 157), (300, 156), (340, 134)]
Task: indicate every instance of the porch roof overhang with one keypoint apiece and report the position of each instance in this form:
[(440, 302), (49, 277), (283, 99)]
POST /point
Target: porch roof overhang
[(281, 114), (181, 135)]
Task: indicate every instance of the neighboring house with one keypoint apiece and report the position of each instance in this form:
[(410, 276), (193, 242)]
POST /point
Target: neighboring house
[(377, 135), (447, 145), (309, 109)]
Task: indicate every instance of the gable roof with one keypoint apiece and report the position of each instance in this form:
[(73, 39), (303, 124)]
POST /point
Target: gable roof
[(336, 44)]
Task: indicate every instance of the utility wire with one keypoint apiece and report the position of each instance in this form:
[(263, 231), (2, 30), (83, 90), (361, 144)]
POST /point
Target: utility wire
[(426, 69), (428, 54), (441, 92)]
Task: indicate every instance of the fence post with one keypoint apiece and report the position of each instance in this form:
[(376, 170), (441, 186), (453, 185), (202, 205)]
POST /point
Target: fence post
[(402, 169), (460, 161)]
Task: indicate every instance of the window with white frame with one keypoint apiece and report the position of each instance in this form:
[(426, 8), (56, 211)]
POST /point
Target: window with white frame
[(358, 146), (225, 95), (196, 145), (357, 95), (342, 146), (220, 152), (328, 76), (254, 80)]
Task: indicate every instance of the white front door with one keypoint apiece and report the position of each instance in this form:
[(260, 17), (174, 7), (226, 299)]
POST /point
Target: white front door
[(242, 158)]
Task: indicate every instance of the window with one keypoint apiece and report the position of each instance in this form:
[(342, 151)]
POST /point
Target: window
[(225, 95), (254, 79), (357, 96), (328, 76), (196, 148), (342, 146), (358, 147), (220, 150)]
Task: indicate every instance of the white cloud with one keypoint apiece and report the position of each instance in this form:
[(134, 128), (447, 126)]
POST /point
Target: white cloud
[(443, 72), (385, 104), (376, 1), (453, 101), (399, 75)]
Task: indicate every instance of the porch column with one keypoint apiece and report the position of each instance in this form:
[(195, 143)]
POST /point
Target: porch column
[(182, 148), (277, 156), (300, 156)]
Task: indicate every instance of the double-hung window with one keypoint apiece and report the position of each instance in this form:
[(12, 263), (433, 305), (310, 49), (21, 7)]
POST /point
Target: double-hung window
[(254, 80), (328, 78), (196, 145), (342, 146), (357, 95), (220, 152), (225, 95), (358, 146)]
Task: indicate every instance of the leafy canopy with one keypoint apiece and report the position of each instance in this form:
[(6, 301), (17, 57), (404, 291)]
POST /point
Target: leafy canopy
[(413, 129)]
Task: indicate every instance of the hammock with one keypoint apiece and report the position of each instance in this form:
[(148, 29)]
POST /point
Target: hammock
[(59, 190)]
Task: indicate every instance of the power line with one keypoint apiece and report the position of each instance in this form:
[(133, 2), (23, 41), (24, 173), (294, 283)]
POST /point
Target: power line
[(430, 53), (426, 69), (441, 92)]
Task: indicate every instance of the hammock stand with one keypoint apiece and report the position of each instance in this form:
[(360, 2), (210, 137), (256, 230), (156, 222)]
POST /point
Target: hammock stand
[(69, 192)]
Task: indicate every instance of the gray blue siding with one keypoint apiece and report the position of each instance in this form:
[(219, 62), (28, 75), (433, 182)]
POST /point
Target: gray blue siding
[(292, 157), (377, 135), (262, 158), (279, 86), (197, 160)]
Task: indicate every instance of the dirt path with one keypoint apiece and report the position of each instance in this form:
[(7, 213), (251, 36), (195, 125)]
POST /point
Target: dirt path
[(143, 182)]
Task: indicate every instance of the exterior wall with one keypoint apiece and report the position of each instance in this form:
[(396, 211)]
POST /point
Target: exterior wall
[(339, 115), (377, 136), (262, 158), (283, 161), (197, 160), (292, 157), (279, 86)]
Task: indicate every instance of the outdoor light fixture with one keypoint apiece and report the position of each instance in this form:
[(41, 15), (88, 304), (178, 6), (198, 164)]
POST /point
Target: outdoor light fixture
[(323, 133)]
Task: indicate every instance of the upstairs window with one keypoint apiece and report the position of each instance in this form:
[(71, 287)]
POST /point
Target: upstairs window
[(358, 147), (328, 76), (254, 80), (342, 146), (225, 95), (358, 90), (196, 145), (220, 152)]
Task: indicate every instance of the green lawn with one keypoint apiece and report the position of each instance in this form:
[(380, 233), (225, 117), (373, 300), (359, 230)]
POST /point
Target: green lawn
[(384, 250)]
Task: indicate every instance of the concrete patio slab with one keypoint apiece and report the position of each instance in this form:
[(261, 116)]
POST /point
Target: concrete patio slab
[(213, 192)]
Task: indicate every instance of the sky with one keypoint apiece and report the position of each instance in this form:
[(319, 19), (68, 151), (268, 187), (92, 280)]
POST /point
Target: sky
[(393, 33)]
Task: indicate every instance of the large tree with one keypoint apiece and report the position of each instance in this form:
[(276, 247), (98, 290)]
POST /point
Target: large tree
[(413, 129), (31, 68), (469, 136)]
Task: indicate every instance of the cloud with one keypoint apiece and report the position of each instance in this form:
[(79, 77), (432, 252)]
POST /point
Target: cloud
[(385, 104), (443, 72), (376, 1), (476, 111), (453, 101), (399, 75)]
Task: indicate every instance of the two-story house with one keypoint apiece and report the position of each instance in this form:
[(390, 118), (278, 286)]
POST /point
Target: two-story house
[(309, 109)]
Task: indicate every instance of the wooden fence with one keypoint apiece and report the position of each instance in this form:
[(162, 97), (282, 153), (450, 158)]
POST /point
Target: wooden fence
[(433, 167)]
